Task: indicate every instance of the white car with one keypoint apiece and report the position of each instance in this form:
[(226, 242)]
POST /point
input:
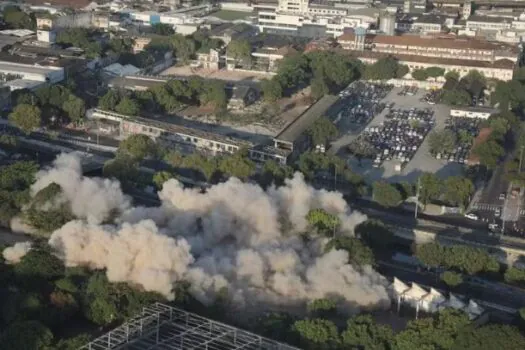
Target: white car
[(471, 216), (498, 212)]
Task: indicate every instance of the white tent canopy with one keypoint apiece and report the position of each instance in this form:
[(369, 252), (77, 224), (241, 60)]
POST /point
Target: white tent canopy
[(398, 288), (432, 301)]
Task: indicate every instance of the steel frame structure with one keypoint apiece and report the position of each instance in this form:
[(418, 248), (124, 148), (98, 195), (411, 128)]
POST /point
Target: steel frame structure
[(162, 327)]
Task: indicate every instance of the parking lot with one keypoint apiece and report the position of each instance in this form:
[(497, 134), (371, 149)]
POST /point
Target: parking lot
[(421, 161), (465, 131)]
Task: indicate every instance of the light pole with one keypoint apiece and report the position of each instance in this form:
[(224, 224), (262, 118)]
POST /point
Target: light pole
[(335, 177), (417, 196), (521, 158)]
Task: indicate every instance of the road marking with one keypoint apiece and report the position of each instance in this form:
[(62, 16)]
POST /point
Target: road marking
[(485, 206)]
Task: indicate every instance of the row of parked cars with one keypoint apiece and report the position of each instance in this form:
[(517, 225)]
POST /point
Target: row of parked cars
[(465, 129), (361, 102), (400, 135), (408, 90)]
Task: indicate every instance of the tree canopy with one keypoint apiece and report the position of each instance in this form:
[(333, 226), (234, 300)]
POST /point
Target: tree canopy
[(322, 131), (386, 194), (26, 117), (138, 146)]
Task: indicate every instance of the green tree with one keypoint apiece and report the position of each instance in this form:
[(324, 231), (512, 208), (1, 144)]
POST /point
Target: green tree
[(39, 265), (18, 19), (274, 173), (452, 75), (456, 97), (386, 195), (489, 337), (451, 278), (319, 88), (128, 106), (237, 165), (383, 69), (293, 72), (161, 177), (321, 307), (317, 333), (73, 343), (489, 153), (26, 335), (184, 47), (124, 168), (440, 332), (275, 325), (359, 254), (434, 72), (75, 108), (174, 158), (401, 71), (514, 275), (121, 45), (375, 234), (429, 187), (430, 254), (162, 29), (138, 146), (215, 94), (362, 332), (26, 117), (206, 166), (322, 221), (458, 190), (508, 95), (240, 51), (420, 74), (441, 141), (109, 101), (322, 131)]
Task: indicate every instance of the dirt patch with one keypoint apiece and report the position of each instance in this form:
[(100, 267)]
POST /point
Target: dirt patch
[(222, 74)]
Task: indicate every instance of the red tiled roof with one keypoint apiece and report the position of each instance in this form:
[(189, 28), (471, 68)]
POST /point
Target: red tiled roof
[(442, 42)]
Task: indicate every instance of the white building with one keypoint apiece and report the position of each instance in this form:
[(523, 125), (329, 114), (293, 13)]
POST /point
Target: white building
[(304, 18), (37, 73), (473, 112)]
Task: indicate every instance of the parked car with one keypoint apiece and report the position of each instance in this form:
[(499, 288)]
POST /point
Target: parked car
[(472, 216)]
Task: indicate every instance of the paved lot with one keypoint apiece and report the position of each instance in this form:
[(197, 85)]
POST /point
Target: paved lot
[(422, 160)]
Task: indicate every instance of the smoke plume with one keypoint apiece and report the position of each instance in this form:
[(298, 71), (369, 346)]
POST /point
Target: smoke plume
[(14, 254), (235, 238), (92, 199)]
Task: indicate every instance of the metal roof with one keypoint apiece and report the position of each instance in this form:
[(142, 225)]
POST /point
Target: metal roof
[(164, 327)]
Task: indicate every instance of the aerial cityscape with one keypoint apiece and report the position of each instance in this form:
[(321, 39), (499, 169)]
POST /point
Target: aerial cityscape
[(266, 175)]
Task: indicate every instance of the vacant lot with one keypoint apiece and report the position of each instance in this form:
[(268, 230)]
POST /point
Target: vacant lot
[(214, 74)]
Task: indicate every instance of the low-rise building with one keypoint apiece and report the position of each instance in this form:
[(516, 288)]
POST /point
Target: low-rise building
[(49, 74), (473, 112), (242, 96), (488, 23), (431, 46), (501, 69), (294, 138)]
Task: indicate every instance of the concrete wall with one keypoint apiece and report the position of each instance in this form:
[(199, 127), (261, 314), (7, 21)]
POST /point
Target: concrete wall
[(235, 6)]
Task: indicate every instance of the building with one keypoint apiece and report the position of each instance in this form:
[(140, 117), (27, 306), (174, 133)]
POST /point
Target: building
[(488, 23), (294, 138), (48, 25), (501, 69), (242, 96), (473, 112), (140, 43), (44, 74), (170, 133), (432, 46), (227, 32), (210, 60), (315, 19)]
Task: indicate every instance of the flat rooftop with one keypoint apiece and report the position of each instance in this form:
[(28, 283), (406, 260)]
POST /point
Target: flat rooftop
[(303, 122), (178, 129), (129, 81), (17, 67)]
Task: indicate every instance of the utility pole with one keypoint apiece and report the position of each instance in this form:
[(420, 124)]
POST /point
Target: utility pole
[(335, 178), (417, 196), (521, 158)]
